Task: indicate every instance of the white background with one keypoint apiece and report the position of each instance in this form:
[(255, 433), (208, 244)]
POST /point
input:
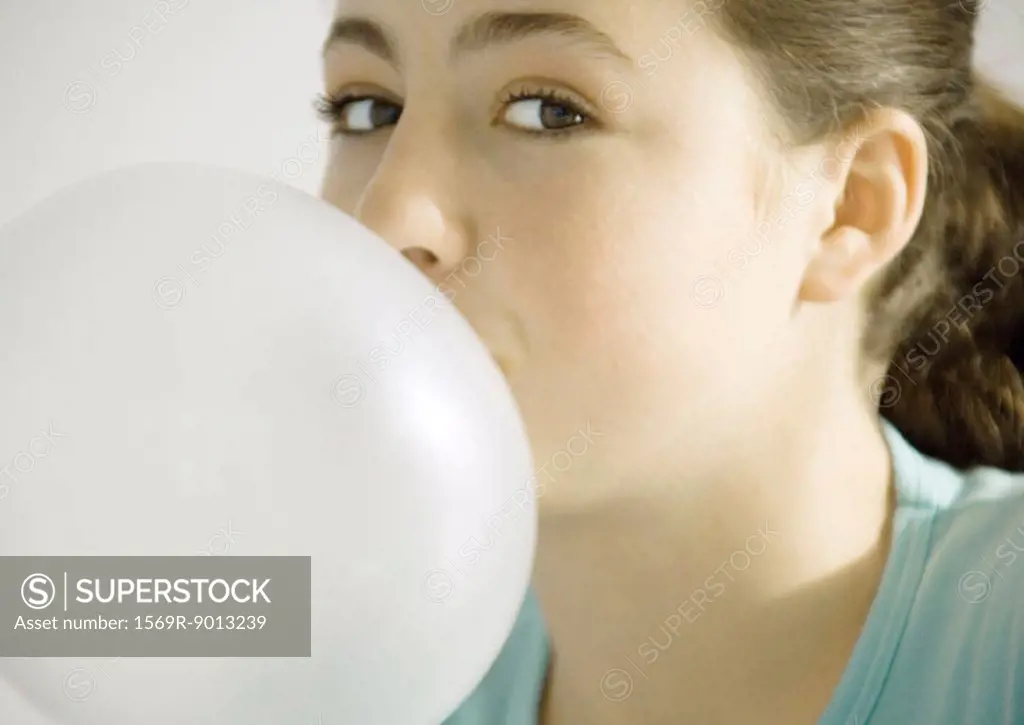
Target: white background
[(226, 82), (229, 82)]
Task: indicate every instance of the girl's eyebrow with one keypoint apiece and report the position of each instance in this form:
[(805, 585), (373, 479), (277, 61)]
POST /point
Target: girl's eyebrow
[(498, 28), (362, 32), (485, 30)]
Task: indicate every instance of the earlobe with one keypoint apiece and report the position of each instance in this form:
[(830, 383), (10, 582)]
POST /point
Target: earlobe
[(878, 210)]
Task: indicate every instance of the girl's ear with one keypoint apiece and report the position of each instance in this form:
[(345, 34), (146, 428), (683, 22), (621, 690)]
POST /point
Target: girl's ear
[(878, 207)]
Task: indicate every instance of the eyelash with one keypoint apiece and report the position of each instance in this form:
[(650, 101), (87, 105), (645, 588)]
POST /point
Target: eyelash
[(330, 108), (554, 98)]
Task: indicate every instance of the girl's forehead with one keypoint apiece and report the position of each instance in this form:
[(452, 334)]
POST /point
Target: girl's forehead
[(624, 29)]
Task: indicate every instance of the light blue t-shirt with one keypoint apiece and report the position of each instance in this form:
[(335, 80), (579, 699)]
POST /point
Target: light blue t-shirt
[(942, 643)]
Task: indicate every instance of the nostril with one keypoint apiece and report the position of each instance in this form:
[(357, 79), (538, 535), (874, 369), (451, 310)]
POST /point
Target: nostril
[(422, 258)]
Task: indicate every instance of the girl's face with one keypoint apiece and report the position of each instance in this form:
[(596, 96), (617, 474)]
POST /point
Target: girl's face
[(586, 178)]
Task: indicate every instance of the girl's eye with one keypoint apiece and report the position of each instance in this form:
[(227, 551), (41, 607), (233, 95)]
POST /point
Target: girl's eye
[(539, 114), (358, 115)]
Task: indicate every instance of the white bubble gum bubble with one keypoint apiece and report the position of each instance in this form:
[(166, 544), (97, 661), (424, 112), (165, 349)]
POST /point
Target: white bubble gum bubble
[(183, 330)]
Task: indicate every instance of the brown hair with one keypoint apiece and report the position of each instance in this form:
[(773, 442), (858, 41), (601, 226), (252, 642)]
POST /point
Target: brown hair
[(949, 311)]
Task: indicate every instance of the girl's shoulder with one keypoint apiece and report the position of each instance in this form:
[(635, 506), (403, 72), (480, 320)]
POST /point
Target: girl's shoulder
[(968, 525), (944, 642)]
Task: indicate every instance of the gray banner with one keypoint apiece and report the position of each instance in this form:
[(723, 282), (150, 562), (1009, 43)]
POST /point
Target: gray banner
[(166, 606)]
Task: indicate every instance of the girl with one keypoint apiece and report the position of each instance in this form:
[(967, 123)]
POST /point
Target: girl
[(767, 255)]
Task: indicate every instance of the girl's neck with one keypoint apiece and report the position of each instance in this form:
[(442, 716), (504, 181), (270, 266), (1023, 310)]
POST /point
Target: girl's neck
[(678, 591)]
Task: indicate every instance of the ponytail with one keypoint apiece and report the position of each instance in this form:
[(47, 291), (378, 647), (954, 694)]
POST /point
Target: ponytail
[(955, 385)]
